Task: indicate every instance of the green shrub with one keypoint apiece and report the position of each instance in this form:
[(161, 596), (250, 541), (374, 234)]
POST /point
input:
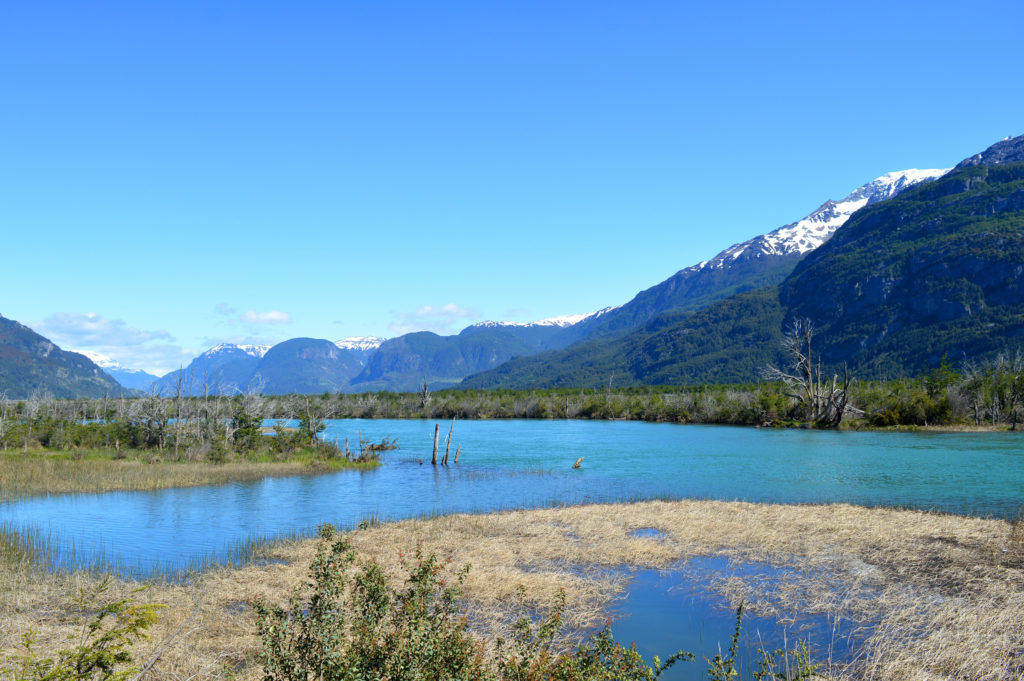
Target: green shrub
[(103, 649), (344, 627)]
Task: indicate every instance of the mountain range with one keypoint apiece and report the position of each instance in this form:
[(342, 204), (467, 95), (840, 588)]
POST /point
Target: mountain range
[(365, 364), (406, 362), (908, 267)]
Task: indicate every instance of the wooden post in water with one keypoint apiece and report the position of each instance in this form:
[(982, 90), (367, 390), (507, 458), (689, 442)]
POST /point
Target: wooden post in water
[(578, 463), (437, 430), (458, 451), (448, 443)]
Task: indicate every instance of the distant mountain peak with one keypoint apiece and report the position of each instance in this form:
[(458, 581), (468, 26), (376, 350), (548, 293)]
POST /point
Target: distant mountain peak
[(812, 231), (256, 351), (363, 343)]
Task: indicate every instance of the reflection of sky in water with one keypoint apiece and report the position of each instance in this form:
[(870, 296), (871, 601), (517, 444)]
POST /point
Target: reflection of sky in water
[(510, 464), (663, 612)]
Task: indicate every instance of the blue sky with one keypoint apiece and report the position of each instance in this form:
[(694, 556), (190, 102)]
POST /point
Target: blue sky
[(173, 175)]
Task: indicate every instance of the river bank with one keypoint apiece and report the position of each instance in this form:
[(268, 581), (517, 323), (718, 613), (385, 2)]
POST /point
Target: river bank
[(940, 594)]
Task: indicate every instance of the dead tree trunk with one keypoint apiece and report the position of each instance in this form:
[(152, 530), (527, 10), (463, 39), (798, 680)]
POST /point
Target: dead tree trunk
[(448, 443), (437, 431)]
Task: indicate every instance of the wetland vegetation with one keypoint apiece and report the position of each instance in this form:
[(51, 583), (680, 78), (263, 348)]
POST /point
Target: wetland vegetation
[(930, 595), (935, 596)]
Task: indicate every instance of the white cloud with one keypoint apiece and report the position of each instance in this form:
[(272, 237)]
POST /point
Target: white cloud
[(270, 317), (152, 351), (89, 329), (443, 319), (224, 309)]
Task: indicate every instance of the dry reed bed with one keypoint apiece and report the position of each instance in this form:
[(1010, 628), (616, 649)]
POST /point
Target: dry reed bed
[(38, 475), (945, 592)]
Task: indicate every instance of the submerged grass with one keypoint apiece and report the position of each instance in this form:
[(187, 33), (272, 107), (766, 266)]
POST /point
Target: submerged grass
[(90, 471), (940, 595)]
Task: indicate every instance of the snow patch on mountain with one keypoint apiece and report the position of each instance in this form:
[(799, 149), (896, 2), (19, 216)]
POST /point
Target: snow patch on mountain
[(102, 361), (815, 229), (364, 343), (562, 321)]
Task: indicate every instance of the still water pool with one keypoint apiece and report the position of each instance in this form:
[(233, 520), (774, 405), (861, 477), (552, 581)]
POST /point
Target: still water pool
[(664, 611), (512, 464)]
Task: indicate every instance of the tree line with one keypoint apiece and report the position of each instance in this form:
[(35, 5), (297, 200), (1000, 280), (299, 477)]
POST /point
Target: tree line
[(973, 394)]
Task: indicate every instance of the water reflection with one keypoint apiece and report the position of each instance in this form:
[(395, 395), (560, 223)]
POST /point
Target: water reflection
[(666, 611)]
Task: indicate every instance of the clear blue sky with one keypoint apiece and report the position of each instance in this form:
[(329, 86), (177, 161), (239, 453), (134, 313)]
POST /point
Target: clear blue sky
[(177, 174)]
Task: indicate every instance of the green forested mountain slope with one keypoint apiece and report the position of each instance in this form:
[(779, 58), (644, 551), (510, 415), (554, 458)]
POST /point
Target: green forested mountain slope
[(32, 364), (305, 365)]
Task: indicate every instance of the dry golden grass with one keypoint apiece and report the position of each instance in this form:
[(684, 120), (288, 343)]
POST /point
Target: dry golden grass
[(946, 592), (34, 475)]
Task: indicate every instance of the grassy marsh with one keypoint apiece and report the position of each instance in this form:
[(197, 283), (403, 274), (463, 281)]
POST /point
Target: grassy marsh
[(944, 593)]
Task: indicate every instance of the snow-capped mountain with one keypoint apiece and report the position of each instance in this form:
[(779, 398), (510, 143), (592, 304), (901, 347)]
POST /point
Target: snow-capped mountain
[(256, 351), (223, 369), (762, 261), (812, 231), (136, 379), (362, 343)]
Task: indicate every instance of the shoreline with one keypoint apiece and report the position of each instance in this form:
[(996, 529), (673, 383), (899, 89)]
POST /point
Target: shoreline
[(943, 592)]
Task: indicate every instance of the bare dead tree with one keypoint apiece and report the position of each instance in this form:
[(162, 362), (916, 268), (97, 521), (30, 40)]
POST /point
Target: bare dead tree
[(822, 400), (3, 416), (1015, 397), (424, 395)]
